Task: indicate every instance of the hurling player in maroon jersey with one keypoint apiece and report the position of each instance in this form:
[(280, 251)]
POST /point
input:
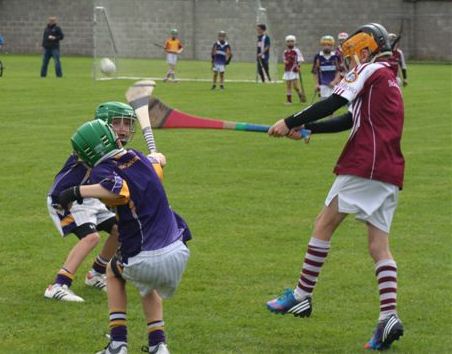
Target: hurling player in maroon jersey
[(369, 173)]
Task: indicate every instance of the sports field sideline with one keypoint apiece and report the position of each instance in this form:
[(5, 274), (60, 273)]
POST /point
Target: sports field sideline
[(250, 201)]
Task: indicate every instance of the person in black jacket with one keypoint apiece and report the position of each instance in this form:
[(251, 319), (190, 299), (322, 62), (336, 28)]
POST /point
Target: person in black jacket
[(51, 44)]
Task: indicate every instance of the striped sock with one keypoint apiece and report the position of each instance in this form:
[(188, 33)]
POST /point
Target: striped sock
[(386, 272), (313, 261), (118, 326), (100, 265), (156, 333), (64, 277)]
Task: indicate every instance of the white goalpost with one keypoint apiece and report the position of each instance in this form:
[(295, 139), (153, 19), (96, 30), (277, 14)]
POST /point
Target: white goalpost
[(132, 33), (103, 42)]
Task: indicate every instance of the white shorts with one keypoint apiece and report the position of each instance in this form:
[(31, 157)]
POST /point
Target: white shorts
[(171, 58), (325, 91), (159, 270), (290, 75), (91, 211), (372, 201), (219, 68)]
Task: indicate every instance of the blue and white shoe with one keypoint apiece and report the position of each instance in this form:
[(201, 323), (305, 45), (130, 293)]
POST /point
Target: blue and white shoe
[(160, 348), (286, 303), (388, 330), (115, 348)]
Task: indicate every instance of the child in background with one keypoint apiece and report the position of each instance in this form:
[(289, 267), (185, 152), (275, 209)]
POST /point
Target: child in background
[(397, 61), (221, 56), (173, 47), (326, 68), (292, 58), (341, 38)]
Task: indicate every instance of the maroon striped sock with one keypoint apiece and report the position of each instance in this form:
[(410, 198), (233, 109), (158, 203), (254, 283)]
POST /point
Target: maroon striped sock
[(386, 272), (313, 261)]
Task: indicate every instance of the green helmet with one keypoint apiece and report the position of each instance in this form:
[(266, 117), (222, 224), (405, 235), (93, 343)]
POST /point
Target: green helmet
[(94, 141), (108, 111)]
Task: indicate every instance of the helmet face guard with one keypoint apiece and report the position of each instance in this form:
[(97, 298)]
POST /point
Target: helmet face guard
[(121, 116), (94, 141), (372, 37), (124, 127)]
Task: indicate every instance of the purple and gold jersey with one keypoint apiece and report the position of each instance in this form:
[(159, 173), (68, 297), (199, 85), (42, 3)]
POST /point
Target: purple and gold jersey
[(145, 219), (73, 173), (325, 67)]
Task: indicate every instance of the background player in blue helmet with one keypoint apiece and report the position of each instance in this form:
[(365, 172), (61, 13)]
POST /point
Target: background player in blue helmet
[(152, 253), (221, 56)]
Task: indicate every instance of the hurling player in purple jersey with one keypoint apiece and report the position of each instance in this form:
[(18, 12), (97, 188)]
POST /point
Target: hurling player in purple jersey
[(87, 219), (152, 254)]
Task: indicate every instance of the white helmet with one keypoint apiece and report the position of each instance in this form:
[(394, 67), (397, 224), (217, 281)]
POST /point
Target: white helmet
[(342, 36), (291, 38)]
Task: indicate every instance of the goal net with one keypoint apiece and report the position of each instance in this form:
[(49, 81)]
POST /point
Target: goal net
[(132, 33)]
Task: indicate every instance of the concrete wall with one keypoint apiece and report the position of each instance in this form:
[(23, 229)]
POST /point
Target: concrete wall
[(139, 23), (22, 23)]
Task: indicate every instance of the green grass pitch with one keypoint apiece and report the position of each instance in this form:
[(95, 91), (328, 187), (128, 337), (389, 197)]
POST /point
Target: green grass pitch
[(250, 201)]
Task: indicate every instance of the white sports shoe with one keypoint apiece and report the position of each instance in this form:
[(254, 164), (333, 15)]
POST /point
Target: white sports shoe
[(120, 349), (162, 348), (61, 292), (96, 280)]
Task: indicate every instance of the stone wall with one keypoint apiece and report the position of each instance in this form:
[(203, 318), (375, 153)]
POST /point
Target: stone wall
[(137, 24)]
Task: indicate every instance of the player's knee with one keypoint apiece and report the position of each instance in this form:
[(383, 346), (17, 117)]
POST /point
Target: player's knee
[(91, 239), (379, 250), (324, 226)]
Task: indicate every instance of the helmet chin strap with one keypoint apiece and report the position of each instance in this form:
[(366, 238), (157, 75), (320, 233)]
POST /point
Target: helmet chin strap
[(379, 55), (357, 61), (110, 154)]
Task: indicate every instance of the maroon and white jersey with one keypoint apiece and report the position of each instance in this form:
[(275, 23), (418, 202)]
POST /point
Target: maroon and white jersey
[(397, 61), (373, 148), (292, 59)]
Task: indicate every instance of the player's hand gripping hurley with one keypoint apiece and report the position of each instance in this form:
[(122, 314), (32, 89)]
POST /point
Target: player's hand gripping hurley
[(138, 97)]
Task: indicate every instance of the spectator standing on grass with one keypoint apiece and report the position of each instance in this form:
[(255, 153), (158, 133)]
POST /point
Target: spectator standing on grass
[(263, 52), (51, 44)]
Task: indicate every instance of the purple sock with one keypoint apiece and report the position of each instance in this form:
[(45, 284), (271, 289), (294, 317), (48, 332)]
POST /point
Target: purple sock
[(118, 326), (156, 333), (64, 277)]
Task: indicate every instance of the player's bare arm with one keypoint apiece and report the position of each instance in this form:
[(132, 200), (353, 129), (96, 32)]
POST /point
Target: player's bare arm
[(77, 193)]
